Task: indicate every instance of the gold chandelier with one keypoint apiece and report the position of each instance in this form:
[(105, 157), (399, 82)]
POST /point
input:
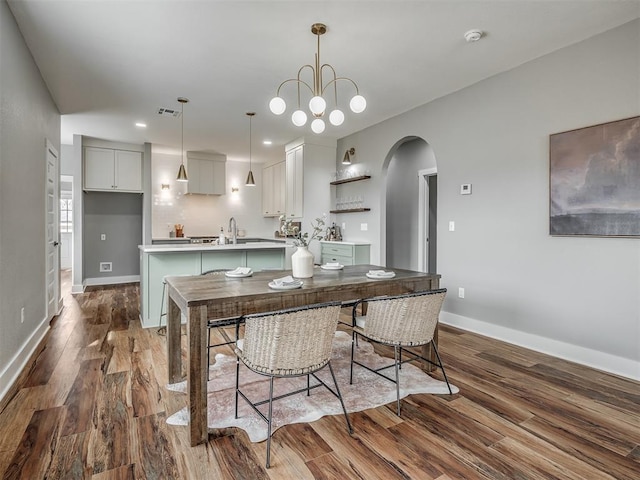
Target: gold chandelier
[(318, 104)]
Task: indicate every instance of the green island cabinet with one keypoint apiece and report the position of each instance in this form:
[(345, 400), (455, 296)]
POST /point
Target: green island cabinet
[(156, 263), (345, 253)]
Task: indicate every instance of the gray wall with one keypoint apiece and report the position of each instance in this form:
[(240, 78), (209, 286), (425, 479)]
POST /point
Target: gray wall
[(573, 297), (119, 217), (28, 116)]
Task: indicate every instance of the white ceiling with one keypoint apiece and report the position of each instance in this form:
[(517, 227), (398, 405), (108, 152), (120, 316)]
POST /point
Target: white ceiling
[(109, 64)]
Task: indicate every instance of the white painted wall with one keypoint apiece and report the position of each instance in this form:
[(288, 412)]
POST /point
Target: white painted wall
[(205, 214), (28, 116), (578, 298)]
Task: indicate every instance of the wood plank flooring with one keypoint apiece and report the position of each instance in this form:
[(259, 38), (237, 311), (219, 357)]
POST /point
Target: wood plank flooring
[(93, 405)]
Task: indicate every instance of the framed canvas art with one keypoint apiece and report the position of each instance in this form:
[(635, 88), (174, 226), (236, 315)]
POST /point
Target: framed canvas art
[(594, 180)]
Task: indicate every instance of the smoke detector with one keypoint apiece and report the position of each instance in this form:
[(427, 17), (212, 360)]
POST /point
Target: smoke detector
[(473, 35)]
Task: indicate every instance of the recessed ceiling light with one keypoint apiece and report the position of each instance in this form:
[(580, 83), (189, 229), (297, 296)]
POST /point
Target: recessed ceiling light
[(141, 125), (267, 142)]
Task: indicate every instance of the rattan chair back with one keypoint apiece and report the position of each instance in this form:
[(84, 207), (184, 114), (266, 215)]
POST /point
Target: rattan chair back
[(290, 342), (405, 320)]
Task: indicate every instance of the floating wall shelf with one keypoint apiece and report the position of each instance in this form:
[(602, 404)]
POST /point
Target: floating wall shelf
[(352, 179)]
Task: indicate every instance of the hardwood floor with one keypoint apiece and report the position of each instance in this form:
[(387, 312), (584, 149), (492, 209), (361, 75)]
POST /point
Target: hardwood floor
[(94, 404)]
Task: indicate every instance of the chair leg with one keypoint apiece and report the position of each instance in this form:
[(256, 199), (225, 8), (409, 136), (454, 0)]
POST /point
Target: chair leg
[(395, 356), (344, 409), (237, 383), (308, 385), (435, 349), (354, 336), (400, 358), (208, 353), (269, 423)]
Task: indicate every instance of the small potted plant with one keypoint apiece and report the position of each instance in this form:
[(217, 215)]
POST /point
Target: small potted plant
[(302, 259)]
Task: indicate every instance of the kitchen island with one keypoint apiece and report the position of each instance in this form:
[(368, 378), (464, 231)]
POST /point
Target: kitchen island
[(157, 261)]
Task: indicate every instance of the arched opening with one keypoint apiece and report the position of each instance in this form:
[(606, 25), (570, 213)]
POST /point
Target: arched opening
[(411, 206)]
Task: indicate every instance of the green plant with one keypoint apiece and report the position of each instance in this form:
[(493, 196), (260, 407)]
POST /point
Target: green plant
[(303, 239)]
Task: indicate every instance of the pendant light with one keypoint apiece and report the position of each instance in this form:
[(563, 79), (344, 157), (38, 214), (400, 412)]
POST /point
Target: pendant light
[(182, 172), (250, 181), (323, 92)]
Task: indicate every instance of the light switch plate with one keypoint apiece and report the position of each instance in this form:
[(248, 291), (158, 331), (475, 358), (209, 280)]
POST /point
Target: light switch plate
[(364, 227), (452, 226)]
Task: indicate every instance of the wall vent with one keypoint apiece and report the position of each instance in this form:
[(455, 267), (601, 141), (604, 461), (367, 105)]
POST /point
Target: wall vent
[(168, 112)]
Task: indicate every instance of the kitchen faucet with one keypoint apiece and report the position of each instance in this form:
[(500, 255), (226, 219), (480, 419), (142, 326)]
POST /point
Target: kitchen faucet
[(233, 229)]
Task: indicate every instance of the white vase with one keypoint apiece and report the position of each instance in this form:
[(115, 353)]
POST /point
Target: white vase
[(302, 263)]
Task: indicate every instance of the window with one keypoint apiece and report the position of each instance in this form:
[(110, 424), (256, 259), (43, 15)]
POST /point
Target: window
[(66, 215)]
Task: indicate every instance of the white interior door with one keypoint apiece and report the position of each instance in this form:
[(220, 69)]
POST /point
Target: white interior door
[(52, 232), (423, 217)]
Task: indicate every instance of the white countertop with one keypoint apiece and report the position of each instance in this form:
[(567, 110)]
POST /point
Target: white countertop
[(208, 247), (345, 242)]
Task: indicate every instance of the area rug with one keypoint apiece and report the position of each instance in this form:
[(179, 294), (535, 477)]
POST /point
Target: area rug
[(368, 391)]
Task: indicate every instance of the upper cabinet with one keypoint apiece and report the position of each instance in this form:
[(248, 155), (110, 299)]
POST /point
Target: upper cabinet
[(206, 173), (295, 182), (297, 186), (273, 189), (107, 169)]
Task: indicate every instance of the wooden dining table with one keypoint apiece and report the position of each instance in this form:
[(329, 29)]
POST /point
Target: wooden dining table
[(205, 297)]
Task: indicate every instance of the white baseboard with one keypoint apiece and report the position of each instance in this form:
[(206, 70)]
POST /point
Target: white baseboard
[(77, 288), (624, 367), (111, 280), (15, 366)]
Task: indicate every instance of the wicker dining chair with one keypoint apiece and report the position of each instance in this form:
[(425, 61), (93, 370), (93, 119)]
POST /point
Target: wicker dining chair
[(211, 323), (288, 343), (218, 322), (400, 321)]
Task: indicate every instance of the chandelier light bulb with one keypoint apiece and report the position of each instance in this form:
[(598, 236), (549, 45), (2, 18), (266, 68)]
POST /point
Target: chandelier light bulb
[(317, 105), (336, 117), (317, 125), (358, 104), (299, 118), (277, 105)]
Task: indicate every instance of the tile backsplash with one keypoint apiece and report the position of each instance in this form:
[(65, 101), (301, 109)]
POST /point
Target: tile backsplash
[(204, 214)]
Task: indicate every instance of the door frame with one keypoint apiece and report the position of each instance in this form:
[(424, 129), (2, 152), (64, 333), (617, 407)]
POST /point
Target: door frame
[(423, 213), (52, 231)]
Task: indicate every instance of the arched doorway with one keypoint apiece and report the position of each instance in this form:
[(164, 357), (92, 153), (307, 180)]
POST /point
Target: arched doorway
[(411, 206)]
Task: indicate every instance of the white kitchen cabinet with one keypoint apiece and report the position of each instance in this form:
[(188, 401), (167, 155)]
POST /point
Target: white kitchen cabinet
[(206, 173), (106, 169), (295, 182), (273, 190)]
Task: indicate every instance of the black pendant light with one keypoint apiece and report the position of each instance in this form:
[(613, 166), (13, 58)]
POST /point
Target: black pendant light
[(250, 181), (182, 172)]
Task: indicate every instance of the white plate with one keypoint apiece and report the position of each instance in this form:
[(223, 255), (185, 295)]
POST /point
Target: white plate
[(231, 274), (332, 267), (285, 286), (381, 277)]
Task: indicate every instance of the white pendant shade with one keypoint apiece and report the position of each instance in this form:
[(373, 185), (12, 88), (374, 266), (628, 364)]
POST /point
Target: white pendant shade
[(317, 125), (299, 118), (317, 105), (277, 106), (336, 117), (358, 104)]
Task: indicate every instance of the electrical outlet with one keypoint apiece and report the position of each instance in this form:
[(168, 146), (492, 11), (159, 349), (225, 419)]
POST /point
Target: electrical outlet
[(344, 225), (103, 236), (106, 266), (22, 315), (460, 292), (364, 227), (452, 226)]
